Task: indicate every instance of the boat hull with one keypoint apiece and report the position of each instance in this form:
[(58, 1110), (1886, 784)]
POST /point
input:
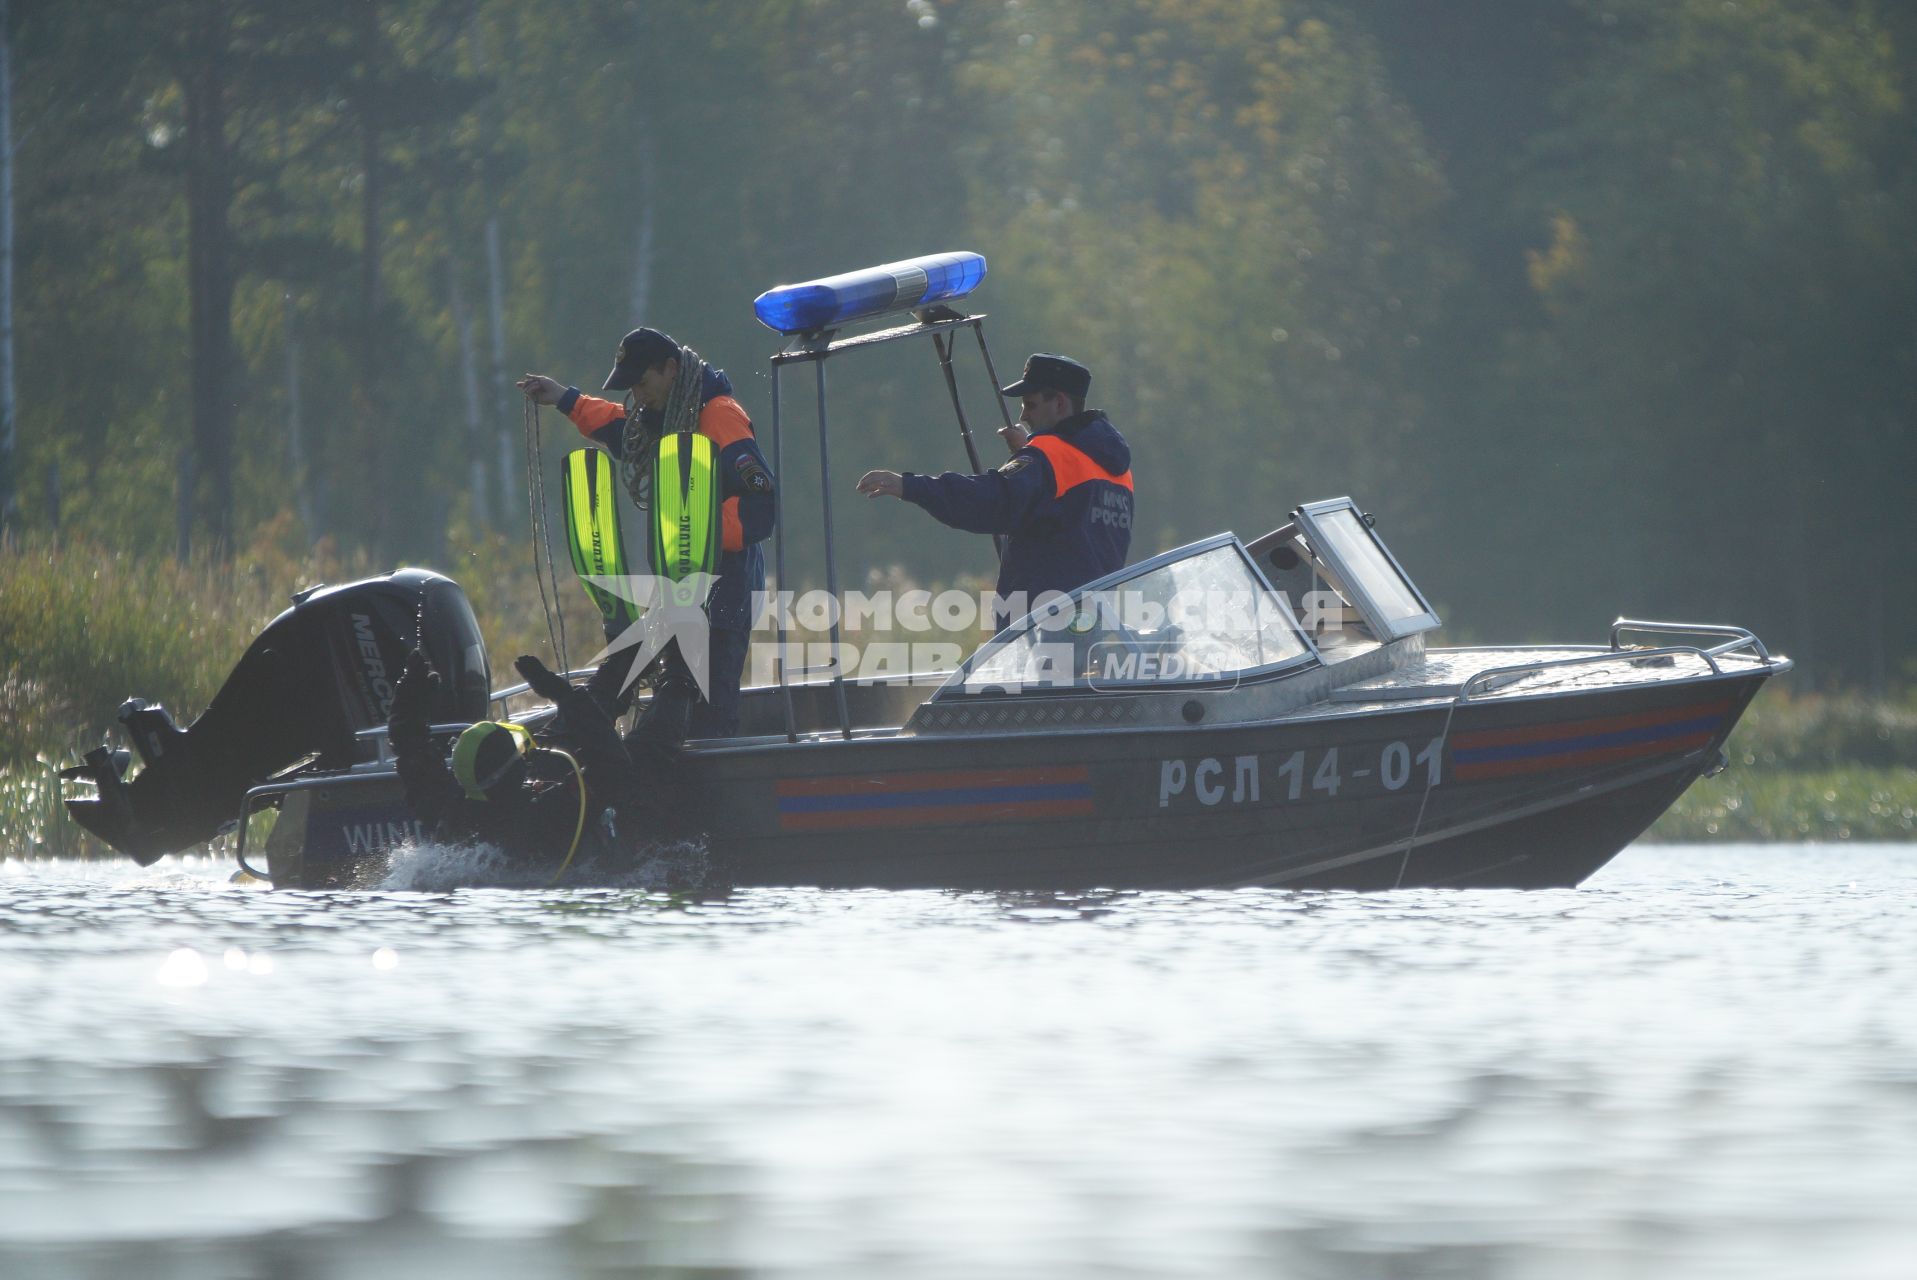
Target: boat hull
[(1505, 792), (1518, 793)]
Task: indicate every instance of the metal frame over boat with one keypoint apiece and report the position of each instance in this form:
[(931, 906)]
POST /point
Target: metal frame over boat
[(1111, 739)]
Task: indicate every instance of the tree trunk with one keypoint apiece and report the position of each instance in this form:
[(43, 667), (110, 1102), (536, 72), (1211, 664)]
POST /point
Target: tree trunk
[(642, 247), (641, 296), (185, 484), (9, 500), (507, 440), (508, 444), (210, 285), (366, 398), (303, 503), (469, 382)]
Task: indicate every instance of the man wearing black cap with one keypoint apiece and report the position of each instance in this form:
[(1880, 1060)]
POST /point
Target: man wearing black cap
[(1064, 500), (670, 388)]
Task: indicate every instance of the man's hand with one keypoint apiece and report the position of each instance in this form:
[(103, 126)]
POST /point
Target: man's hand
[(882, 484), (1016, 436), (540, 389), (413, 691), (548, 684)]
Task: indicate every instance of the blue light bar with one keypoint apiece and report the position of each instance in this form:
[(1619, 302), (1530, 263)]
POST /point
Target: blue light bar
[(896, 286)]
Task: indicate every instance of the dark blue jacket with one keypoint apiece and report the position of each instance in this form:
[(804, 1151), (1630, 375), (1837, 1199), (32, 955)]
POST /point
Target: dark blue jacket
[(748, 496), (1064, 502)]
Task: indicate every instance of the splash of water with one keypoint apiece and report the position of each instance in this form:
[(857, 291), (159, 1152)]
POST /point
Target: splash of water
[(673, 866)]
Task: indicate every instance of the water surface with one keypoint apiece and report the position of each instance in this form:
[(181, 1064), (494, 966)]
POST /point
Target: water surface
[(1701, 1064)]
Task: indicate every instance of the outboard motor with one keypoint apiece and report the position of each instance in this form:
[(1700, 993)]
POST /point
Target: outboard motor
[(317, 675)]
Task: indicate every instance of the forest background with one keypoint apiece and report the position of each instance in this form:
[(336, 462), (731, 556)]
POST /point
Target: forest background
[(1604, 306)]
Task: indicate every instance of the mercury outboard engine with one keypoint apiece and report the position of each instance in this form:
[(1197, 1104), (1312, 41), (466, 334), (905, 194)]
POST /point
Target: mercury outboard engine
[(317, 675)]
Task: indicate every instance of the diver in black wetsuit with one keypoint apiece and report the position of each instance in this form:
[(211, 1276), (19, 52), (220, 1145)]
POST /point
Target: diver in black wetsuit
[(538, 805)]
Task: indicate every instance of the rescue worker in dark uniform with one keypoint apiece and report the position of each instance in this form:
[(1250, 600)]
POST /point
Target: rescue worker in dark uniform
[(537, 805), (1064, 501), (670, 389)]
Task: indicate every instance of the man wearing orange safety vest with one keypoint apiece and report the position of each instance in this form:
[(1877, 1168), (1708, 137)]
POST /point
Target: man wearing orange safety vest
[(1064, 501), (673, 389)]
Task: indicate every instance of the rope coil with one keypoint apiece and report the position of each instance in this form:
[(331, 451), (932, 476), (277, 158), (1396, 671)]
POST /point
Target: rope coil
[(681, 414)]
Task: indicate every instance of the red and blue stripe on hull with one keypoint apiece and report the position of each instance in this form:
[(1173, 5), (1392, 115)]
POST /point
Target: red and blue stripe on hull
[(1504, 753)]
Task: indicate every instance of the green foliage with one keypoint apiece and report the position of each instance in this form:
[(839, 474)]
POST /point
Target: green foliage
[(33, 824), (1727, 350), (1225, 209), (1809, 732), (1604, 307), (1834, 804), (1808, 767), (497, 572), (84, 626)]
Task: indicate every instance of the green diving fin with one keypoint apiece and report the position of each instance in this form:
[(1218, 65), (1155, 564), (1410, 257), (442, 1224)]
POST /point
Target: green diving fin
[(685, 529), (592, 533)]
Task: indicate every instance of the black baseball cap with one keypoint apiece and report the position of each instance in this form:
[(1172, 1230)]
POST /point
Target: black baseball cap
[(1045, 372), (640, 350)]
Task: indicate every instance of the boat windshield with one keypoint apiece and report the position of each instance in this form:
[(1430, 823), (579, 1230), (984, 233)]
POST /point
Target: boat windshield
[(1197, 616)]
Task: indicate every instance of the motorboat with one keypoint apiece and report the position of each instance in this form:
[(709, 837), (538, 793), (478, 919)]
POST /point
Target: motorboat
[(1235, 712)]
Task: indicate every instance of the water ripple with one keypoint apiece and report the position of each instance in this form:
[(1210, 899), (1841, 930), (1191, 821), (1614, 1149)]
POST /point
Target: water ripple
[(1698, 1065)]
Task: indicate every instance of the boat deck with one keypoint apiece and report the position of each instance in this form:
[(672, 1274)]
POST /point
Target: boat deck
[(1440, 675)]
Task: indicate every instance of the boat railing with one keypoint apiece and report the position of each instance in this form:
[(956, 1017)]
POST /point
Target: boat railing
[(1740, 638), (377, 739), (514, 690), (1493, 678), (285, 784)]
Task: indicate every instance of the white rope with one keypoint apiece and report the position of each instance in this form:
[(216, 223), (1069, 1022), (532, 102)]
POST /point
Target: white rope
[(542, 536), (1430, 780)]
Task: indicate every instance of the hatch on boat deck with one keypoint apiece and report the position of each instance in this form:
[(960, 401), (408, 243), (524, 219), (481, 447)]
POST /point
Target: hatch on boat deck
[(1350, 591)]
